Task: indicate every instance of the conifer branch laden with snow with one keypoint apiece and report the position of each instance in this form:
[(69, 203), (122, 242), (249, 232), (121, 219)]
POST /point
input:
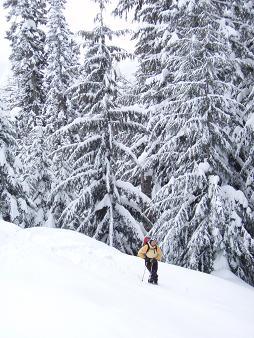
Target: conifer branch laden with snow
[(15, 203), (203, 114), (188, 82), (105, 208), (61, 72), (28, 61)]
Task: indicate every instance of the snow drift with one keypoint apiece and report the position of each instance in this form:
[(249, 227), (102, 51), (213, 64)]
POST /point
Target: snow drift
[(61, 284)]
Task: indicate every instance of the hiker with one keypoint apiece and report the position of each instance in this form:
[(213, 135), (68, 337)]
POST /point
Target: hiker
[(152, 254)]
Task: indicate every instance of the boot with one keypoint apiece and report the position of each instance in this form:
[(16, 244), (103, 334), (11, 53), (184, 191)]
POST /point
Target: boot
[(150, 280), (154, 278)]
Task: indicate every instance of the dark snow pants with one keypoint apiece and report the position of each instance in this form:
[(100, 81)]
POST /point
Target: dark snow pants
[(152, 266)]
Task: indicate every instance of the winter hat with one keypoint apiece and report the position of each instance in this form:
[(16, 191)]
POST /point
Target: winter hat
[(146, 240)]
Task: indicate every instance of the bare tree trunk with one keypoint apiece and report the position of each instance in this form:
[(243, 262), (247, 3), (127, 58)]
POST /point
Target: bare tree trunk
[(146, 188), (146, 184)]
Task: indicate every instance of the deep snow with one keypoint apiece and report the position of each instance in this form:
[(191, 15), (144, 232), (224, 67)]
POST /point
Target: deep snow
[(61, 284)]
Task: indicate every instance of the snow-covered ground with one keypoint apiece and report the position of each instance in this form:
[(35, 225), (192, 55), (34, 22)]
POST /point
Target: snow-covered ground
[(61, 284)]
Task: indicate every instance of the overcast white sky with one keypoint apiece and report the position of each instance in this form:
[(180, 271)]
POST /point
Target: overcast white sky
[(80, 15)]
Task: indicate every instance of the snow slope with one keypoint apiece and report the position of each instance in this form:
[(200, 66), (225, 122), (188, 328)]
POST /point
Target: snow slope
[(61, 284)]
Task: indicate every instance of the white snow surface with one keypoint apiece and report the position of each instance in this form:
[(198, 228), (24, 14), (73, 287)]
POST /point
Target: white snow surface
[(61, 284)]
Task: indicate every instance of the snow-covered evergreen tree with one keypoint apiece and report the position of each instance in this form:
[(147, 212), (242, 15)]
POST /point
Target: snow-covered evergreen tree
[(38, 171), (149, 38), (27, 58), (15, 205), (28, 62), (106, 207), (62, 62), (202, 212), (150, 86), (243, 47), (61, 66), (130, 170)]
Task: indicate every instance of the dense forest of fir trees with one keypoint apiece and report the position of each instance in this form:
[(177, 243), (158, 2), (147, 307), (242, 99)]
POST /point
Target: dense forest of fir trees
[(171, 154)]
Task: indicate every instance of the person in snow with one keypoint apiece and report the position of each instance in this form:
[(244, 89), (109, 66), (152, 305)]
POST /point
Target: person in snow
[(151, 253)]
